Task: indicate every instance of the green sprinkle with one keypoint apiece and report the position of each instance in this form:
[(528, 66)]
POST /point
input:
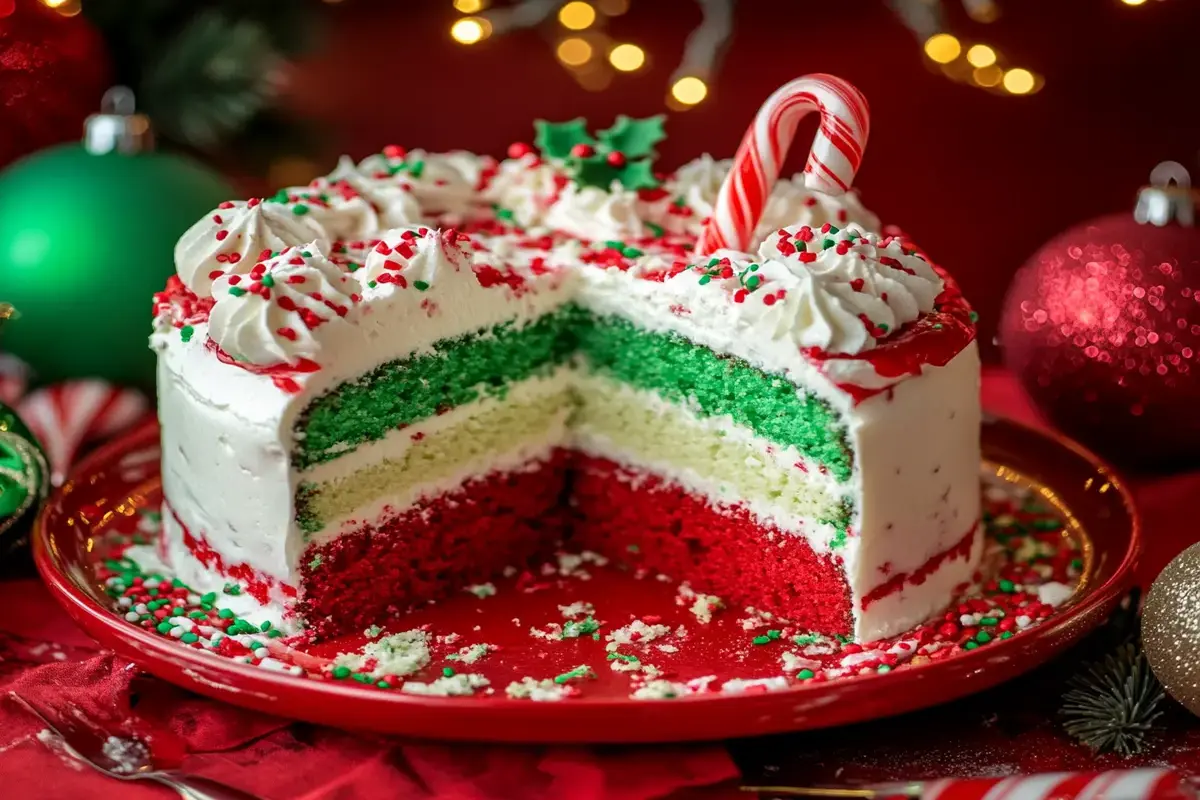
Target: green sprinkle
[(177, 611), (361, 678), (372, 284), (502, 213), (315, 562), (631, 252), (970, 646), (704, 279), (1006, 635), (623, 657), (752, 282), (974, 317), (185, 333), (197, 615), (805, 638), (713, 262), (578, 672), (208, 597), (225, 613), (232, 589), (236, 291), (420, 286), (762, 639), (884, 668), (573, 629), (613, 244), (267, 280), (805, 674), (353, 267), (989, 621), (828, 243), (266, 626), (189, 638), (341, 672), (843, 639), (416, 169), (1007, 586), (773, 635), (384, 685), (163, 627), (1076, 563), (657, 230), (833, 229), (447, 672), (983, 637), (299, 210)]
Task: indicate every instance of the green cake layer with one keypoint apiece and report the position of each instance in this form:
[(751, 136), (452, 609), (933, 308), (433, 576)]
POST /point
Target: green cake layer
[(484, 364), (715, 385), (456, 371)]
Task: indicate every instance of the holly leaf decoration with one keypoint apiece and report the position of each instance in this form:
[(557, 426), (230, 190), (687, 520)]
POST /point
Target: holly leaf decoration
[(635, 138), (638, 175), (596, 171), (555, 139)]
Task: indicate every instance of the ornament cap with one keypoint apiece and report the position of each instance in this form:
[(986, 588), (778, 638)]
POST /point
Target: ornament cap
[(1169, 197), (118, 128)]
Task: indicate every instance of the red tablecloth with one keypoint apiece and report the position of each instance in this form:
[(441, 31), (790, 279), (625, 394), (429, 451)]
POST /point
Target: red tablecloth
[(50, 662)]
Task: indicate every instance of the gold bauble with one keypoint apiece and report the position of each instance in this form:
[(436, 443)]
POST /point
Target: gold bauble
[(1171, 628)]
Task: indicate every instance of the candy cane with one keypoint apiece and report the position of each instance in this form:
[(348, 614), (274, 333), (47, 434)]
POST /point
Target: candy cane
[(832, 162), (66, 415)]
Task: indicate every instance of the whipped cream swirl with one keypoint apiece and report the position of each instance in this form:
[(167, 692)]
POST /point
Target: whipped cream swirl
[(272, 313), (840, 290), (410, 259), (231, 239), (390, 197), (592, 213), (525, 188)]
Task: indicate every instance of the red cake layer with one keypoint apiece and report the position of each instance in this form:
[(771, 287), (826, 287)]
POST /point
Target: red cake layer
[(645, 521), (433, 548)]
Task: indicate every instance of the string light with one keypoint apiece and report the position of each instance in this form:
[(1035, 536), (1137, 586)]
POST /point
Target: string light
[(1019, 81), (980, 55), (54, 3), (689, 90), (470, 30), (577, 15), (469, 6), (988, 77), (574, 52), (1133, 2), (943, 48), (627, 57)]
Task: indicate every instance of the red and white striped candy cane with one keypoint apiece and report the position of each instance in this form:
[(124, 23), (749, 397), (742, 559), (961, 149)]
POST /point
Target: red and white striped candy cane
[(832, 163), (1131, 784), (66, 415)]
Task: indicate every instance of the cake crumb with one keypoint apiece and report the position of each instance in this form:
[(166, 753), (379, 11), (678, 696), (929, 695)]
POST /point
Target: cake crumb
[(702, 606), (373, 632), (458, 685), (472, 653), (742, 686), (578, 609), (636, 632), (398, 655), (482, 590), (542, 691)]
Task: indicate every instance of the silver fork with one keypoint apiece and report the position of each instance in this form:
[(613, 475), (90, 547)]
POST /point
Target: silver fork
[(127, 759)]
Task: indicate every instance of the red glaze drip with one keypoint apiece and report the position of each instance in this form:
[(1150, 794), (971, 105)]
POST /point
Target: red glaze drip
[(282, 375), (186, 307), (960, 549), (258, 585), (932, 340)]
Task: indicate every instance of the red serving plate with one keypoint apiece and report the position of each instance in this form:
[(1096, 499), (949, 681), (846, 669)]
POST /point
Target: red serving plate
[(125, 475)]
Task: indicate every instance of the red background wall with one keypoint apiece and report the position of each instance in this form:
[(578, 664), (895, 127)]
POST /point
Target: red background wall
[(980, 180)]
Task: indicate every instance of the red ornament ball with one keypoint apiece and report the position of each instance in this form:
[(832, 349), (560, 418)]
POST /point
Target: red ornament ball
[(53, 70), (1102, 326)]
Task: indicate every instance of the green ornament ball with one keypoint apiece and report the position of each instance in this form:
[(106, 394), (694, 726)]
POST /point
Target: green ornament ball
[(85, 241), (24, 479)]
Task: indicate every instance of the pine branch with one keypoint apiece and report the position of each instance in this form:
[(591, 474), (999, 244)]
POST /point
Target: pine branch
[(1112, 705)]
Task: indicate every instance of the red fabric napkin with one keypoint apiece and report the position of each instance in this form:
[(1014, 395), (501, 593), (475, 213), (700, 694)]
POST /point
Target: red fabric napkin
[(58, 670)]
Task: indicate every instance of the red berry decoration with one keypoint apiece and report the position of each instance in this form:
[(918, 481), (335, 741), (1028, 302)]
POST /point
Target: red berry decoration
[(519, 150), (583, 150), (616, 159), (394, 151), (1102, 326)]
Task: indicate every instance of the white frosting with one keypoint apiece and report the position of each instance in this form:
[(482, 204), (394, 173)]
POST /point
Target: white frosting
[(392, 200), (231, 238), (273, 313), (596, 215), (410, 258), (445, 184), (525, 187)]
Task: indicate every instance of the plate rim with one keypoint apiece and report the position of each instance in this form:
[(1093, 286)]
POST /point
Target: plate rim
[(154, 653)]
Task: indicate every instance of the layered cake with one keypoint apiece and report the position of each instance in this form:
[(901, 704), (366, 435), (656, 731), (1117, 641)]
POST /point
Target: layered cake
[(426, 368)]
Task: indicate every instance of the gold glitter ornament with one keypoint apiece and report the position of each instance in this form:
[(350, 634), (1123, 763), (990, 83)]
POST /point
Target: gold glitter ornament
[(1171, 628)]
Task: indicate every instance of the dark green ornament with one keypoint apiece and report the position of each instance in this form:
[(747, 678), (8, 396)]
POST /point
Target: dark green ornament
[(87, 235), (24, 479)]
